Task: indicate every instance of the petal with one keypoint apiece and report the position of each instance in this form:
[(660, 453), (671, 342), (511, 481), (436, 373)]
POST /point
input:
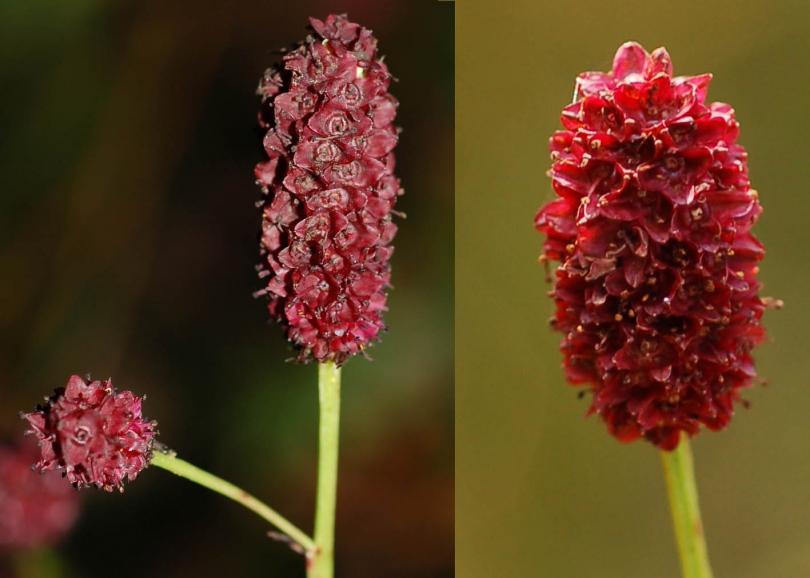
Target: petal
[(630, 61)]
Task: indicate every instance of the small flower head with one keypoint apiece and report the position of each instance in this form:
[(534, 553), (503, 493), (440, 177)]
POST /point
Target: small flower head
[(93, 432), (656, 294), (35, 510), (329, 190)]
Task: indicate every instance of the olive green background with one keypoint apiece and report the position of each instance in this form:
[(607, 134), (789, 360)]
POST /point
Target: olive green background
[(540, 490)]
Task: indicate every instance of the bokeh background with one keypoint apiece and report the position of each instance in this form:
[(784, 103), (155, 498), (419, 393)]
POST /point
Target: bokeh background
[(541, 491), (128, 239)]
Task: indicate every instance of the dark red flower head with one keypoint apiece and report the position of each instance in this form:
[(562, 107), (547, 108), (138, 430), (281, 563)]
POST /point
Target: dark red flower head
[(656, 293), (35, 510), (93, 432), (329, 190)]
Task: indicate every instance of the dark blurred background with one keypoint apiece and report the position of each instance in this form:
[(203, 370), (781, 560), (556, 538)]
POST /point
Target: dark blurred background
[(541, 491), (128, 239)]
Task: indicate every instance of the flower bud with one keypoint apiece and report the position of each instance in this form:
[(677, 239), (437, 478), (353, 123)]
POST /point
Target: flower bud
[(656, 293), (329, 191), (93, 432), (35, 510)]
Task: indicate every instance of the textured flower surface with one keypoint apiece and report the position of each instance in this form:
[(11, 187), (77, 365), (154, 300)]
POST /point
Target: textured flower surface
[(656, 293), (35, 510), (93, 432), (329, 190)]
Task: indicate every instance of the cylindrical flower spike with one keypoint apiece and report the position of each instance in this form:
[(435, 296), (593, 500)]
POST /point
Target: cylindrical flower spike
[(93, 432), (35, 510), (656, 293), (329, 190)]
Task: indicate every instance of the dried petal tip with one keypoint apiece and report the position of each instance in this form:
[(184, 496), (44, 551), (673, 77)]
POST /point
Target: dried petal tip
[(96, 434), (656, 293), (329, 191)]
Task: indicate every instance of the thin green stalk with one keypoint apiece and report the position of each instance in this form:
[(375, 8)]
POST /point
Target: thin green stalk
[(37, 563), (679, 471), (190, 472), (321, 564)]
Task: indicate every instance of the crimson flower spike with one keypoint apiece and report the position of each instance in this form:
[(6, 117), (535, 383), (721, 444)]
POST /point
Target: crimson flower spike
[(93, 432), (99, 438), (35, 510), (656, 293), (329, 191)]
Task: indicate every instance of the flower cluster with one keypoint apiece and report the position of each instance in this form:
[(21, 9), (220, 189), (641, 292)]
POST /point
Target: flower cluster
[(35, 510), (329, 190), (656, 293), (93, 432)]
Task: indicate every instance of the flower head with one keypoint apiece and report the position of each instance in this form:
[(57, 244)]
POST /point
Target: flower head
[(656, 293), (93, 432), (35, 510), (329, 190)]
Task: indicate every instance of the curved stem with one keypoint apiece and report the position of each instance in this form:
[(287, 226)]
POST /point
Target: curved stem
[(679, 471), (182, 468), (321, 564)]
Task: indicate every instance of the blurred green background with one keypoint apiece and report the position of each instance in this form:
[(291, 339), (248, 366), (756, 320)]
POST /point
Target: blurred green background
[(128, 239), (541, 491)]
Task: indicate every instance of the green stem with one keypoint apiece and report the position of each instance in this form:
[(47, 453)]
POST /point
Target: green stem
[(321, 563), (679, 471), (37, 563), (190, 472)]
